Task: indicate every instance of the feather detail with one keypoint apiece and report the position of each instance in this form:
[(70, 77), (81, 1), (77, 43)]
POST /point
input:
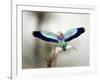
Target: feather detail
[(73, 33), (44, 36)]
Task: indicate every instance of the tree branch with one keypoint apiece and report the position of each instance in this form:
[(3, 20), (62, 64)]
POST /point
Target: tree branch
[(51, 61)]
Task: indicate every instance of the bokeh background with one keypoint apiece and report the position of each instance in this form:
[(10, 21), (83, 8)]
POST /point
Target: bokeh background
[(34, 51)]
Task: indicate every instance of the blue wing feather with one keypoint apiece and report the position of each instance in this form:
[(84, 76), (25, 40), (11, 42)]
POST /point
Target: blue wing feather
[(46, 36), (73, 33), (49, 35)]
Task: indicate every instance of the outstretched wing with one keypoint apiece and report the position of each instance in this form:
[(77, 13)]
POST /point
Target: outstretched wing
[(46, 36), (73, 33)]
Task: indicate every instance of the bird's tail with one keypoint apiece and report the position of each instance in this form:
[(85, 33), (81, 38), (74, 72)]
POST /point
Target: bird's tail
[(71, 47)]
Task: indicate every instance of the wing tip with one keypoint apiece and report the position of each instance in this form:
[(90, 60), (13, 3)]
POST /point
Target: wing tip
[(35, 33), (82, 29)]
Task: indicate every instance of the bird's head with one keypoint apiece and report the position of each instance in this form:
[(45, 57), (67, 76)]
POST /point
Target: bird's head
[(60, 35)]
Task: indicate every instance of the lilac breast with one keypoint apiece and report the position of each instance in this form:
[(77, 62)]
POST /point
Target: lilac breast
[(60, 38)]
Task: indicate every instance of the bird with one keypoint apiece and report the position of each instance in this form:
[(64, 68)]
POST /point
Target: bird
[(60, 38)]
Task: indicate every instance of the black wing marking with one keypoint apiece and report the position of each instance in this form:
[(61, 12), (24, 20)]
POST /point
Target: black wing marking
[(41, 35), (74, 33)]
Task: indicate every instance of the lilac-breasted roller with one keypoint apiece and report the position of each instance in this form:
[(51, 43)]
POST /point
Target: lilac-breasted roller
[(59, 38)]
